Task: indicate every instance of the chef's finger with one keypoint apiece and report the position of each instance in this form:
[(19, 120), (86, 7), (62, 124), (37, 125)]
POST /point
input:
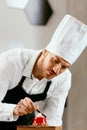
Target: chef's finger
[(31, 104), (19, 111)]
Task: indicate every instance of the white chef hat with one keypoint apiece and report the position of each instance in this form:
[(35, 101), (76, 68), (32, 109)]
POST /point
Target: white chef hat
[(69, 39)]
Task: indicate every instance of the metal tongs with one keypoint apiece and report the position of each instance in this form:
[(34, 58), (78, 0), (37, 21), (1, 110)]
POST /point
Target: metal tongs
[(41, 113)]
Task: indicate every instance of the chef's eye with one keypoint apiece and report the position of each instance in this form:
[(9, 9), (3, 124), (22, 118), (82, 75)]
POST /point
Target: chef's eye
[(56, 60), (64, 67)]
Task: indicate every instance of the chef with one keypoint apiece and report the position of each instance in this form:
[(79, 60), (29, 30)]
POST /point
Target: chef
[(31, 80)]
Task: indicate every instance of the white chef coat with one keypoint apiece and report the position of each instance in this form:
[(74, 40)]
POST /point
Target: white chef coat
[(19, 62)]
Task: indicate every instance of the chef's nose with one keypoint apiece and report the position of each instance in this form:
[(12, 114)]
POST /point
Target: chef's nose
[(57, 69)]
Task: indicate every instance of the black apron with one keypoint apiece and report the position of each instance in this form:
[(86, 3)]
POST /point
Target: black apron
[(14, 96)]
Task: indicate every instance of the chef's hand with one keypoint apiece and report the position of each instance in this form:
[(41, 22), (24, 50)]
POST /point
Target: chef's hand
[(24, 107)]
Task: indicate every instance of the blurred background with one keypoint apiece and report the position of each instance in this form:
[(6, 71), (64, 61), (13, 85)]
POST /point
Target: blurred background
[(20, 29)]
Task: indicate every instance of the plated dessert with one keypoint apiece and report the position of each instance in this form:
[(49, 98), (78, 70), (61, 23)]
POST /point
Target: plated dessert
[(39, 120)]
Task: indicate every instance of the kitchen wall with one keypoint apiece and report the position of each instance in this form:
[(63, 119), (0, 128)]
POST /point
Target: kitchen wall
[(77, 104), (16, 31)]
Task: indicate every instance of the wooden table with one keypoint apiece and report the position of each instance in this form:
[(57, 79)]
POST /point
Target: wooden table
[(39, 128)]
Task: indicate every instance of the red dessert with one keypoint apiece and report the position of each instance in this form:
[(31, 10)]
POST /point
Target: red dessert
[(39, 120)]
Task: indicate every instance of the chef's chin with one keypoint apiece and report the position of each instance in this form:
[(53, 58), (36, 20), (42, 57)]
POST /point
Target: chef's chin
[(49, 77)]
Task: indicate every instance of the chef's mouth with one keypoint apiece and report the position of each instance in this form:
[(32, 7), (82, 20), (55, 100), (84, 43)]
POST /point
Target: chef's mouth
[(51, 73)]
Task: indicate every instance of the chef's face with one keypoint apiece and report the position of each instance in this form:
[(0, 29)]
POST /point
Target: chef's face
[(52, 65)]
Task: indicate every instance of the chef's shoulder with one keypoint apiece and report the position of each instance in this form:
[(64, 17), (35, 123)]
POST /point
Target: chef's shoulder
[(63, 80), (18, 53)]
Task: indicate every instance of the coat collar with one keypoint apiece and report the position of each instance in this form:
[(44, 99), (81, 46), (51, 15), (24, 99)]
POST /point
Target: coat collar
[(29, 67)]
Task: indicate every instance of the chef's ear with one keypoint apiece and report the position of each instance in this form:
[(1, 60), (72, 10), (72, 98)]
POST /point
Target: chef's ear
[(45, 52)]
